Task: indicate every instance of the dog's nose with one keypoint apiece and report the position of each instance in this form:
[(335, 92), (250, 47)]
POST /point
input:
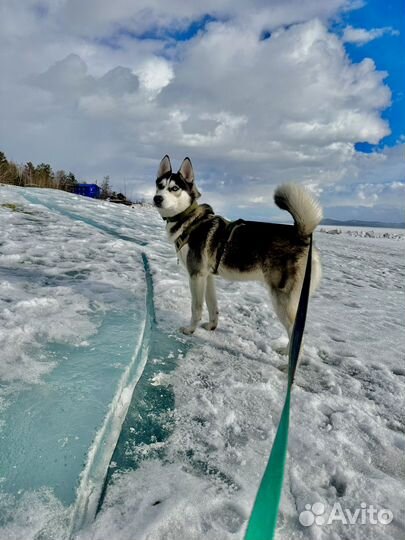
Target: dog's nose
[(157, 199)]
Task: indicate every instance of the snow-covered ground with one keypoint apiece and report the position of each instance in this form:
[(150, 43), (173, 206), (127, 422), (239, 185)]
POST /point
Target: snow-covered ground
[(364, 232), (203, 416)]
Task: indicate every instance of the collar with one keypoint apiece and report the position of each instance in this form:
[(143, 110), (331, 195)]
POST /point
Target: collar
[(187, 212)]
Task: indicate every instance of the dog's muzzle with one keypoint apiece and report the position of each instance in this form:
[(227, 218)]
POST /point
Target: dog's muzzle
[(157, 200)]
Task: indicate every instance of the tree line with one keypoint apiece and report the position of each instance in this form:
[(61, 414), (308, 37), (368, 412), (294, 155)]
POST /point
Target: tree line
[(42, 175)]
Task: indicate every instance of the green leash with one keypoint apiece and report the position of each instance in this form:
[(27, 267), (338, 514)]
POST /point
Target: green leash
[(263, 519)]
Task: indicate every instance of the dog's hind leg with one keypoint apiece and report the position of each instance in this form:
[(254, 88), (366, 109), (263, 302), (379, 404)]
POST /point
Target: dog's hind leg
[(212, 305), (197, 289), (285, 305)]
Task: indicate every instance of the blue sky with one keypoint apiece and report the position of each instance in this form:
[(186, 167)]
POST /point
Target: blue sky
[(256, 93), (388, 52)]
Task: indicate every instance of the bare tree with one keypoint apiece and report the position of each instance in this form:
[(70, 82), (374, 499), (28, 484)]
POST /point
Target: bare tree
[(105, 188)]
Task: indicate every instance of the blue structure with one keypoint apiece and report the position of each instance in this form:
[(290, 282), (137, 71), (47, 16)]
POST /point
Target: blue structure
[(88, 190)]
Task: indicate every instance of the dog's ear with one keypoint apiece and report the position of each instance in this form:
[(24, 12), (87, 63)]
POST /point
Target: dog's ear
[(165, 167), (186, 170)]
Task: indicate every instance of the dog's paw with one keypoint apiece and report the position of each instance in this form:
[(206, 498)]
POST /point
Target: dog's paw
[(280, 345), (187, 330), (209, 325)]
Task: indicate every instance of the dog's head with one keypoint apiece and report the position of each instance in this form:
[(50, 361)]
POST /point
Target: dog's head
[(175, 192)]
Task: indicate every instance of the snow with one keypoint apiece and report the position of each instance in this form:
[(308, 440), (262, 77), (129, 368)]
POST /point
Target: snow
[(365, 232), (204, 413)]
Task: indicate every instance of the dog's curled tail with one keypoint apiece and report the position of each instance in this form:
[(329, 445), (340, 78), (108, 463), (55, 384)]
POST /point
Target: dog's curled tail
[(305, 210)]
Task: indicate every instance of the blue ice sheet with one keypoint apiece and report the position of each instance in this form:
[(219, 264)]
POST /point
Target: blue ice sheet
[(60, 433), (49, 427), (69, 423)]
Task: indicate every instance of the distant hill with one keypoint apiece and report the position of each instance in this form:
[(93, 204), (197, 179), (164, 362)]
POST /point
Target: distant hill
[(359, 223)]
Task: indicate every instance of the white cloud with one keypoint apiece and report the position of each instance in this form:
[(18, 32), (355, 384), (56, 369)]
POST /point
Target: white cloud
[(80, 91), (360, 36), (154, 74), (98, 17), (375, 181), (70, 78), (303, 102)]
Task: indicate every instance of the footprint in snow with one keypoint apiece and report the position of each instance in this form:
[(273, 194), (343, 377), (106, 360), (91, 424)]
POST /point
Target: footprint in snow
[(337, 339), (229, 517), (339, 482), (354, 305)]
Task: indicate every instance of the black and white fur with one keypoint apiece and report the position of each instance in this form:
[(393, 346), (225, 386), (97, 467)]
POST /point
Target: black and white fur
[(271, 253)]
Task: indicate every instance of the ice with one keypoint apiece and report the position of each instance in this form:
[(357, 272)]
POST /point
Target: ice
[(366, 232), (202, 420), (73, 322)]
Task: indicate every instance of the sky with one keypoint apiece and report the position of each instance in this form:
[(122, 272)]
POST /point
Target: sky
[(256, 93)]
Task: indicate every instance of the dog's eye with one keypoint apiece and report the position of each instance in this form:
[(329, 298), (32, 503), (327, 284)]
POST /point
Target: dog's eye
[(175, 188)]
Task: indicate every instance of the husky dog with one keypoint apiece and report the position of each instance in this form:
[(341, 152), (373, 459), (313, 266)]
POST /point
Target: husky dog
[(209, 245)]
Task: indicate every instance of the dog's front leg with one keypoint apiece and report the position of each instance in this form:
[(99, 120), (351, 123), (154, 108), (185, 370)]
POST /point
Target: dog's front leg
[(197, 288), (212, 305)]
